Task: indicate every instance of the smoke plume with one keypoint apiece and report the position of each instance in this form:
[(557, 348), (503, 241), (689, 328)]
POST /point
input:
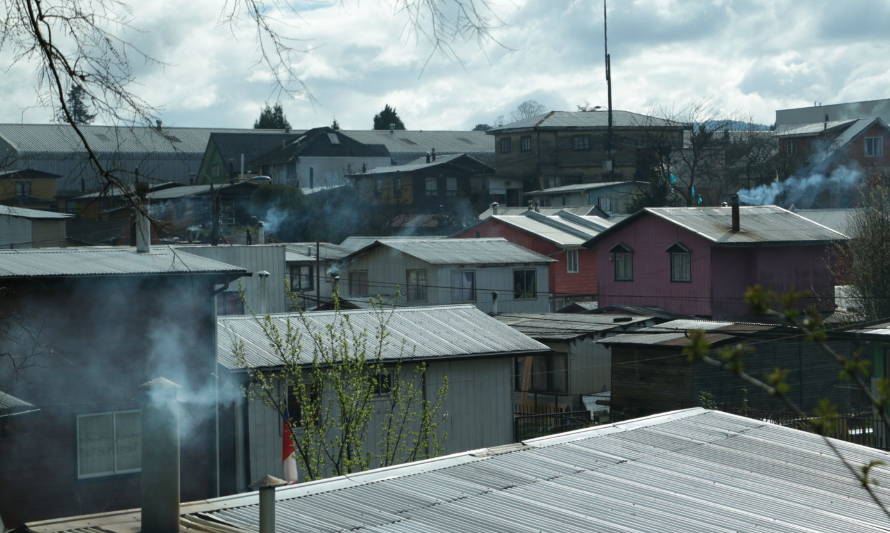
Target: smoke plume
[(806, 191)]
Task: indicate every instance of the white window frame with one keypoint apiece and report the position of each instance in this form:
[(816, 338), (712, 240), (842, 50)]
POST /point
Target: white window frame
[(876, 144), (416, 288), (680, 263), (622, 257), (573, 265), (115, 470)]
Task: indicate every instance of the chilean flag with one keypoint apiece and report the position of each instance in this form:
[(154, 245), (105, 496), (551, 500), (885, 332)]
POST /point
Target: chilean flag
[(288, 454)]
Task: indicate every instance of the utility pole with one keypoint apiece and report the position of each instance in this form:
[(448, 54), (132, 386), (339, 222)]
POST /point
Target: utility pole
[(317, 275), (609, 162)]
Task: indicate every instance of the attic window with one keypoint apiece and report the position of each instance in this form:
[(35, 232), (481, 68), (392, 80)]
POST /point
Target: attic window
[(333, 138), (408, 141), (681, 263), (874, 146), (623, 261)]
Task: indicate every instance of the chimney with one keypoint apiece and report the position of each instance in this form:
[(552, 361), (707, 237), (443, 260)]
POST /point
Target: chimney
[(158, 124), (427, 157), (494, 304), (734, 202), (494, 208), (825, 124), (266, 486), (261, 233), (142, 227), (160, 457), (433, 154)]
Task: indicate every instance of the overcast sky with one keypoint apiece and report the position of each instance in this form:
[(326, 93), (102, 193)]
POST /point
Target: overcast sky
[(744, 58)]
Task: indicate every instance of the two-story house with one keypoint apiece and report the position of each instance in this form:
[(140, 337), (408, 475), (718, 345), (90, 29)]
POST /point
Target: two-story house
[(560, 236), (700, 260), (28, 188), (494, 274), (568, 147)]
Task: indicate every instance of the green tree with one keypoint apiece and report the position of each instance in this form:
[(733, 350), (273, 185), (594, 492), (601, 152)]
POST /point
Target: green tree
[(333, 383), (272, 118), (386, 118), (335, 125), (80, 113), (481, 127)]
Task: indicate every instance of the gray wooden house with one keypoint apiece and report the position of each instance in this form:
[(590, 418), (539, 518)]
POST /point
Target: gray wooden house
[(493, 274), (474, 351)]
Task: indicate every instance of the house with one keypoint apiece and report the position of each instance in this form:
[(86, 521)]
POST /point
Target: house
[(787, 118), (494, 274), (454, 187), (28, 188), (701, 260), (405, 146), (564, 148), (473, 351), (676, 472), (579, 367), (85, 327), (650, 372), (612, 197), (560, 236), (229, 155), (320, 158), (584, 210), (29, 228), (312, 272)]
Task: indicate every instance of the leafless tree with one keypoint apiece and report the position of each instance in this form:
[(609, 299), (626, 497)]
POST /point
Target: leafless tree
[(528, 109)]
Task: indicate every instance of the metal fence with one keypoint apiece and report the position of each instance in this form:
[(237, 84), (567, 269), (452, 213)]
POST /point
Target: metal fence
[(538, 425), (861, 428)]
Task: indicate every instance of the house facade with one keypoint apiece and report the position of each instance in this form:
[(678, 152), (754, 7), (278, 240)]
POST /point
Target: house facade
[(561, 237), (85, 328), (564, 148), (312, 273), (28, 188), (493, 274), (701, 260), (614, 197)]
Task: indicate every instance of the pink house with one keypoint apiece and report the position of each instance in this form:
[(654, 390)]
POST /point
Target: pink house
[(700, 260)]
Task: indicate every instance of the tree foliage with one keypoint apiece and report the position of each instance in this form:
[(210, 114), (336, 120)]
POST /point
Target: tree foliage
[(388, 118), (482, 127), (865, 258), (79, 112), (272, 118), (333, 383)]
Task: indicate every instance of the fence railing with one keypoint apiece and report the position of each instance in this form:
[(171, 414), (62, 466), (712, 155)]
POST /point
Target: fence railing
[(537, 425), (858, 427)]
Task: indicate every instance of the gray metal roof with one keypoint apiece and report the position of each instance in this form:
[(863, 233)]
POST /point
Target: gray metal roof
[(763, 224), (559, 229), (107, 261), (588, 119), (684, 471), (814, 128), (483, 251), (674, 332), (328, 251), (357, 242), (413, 333), (839, 219), (61, 138), (580, 187), (557, 326), (36, 214), (10, 405), (518, 210), (419, 142)]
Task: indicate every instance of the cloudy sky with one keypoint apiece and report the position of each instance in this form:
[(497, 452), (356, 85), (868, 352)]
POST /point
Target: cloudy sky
[(743, 58)]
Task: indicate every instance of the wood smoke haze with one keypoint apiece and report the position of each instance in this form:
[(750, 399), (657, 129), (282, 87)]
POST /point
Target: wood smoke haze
[(808, 191)]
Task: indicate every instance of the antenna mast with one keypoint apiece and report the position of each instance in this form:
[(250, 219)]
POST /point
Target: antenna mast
[(608, 90)]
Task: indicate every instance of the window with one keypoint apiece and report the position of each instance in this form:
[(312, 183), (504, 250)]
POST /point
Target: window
[(431, 186), (416, 285), (382, 382), (451, 186), (23, 188), (681, 263), (572, 261), (302, 278), (295, 405), (874, 146), (505, 145), (109, 443), (525, 143), (524, 285), (358, 283), (580, 142), (463, 286), (623, 260)]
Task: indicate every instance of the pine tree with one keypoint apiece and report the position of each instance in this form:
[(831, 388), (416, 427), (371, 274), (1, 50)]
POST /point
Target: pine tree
[(78, 110), (387, 117), (335, 125), (272, 118)]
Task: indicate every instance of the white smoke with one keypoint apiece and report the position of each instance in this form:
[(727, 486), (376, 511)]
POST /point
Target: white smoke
[(802, 192), (273, 219)]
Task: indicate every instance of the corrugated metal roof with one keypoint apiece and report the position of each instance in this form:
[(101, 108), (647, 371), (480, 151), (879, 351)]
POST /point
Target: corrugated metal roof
[(419, 142), (357, 242), (675, 332), (839, 219), (759, 225), (554, 326), (482, 251), (813, 128), (417, 164), (412, 333), (589, 119), (10, 405), (107, 261), (31, 213), (543, 229), (678, 472), (579, 187), (328, 251), (514, 210)]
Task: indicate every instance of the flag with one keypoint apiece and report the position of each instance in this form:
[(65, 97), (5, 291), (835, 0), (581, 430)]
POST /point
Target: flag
[(288, 454)]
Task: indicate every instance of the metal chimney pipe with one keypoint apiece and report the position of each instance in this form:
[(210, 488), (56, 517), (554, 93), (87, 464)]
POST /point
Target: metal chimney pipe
[(494, 304), (261, 234), (494, 208), (736, 223), (142, 227), (160, 457), (266, 486), (433, 154)]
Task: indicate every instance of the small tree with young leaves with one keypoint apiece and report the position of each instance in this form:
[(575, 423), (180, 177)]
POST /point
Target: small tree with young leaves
[(348, 400)]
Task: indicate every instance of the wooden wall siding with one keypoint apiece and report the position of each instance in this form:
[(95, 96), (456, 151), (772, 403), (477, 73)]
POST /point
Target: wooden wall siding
[(590, 366)]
